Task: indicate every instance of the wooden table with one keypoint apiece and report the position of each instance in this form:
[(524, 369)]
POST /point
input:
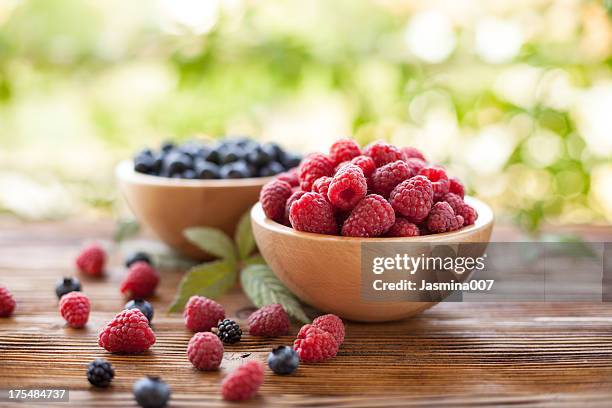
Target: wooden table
[(520, 354)]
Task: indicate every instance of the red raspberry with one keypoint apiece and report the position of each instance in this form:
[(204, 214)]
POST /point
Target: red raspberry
[(331, 324), (456, 187), (290, 177), (365, 163), (403, 228), (294, 197), (347, 188), (413, 198), (140, 281), (205, 351), (273, 197), (423, 230), (315, 345), (442, 218), (439, 180), (74, 308), (343, 150), (468, 213), (202, 314), (385, 178), (383, 153), (312, 167), (91, 260), (269, 321), (371, 217), (7, 302), (244, 382), (128, 332), (313, 213), (412, 152), (321, 185), (416, 165)]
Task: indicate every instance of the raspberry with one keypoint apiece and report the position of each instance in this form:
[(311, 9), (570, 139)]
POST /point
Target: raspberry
[(140, 281), (383, 153), (385, 178), (273, 197), (416, 165), (343, 150), (313, 213), (294, 197), (312, 167), (365, 163), (74, 308), (290, 177), (468, 213), (438, 178), (243, 383), (321, 185), (7, 302), (205, 351), (331, 324), (91, 260), (403, 228), (315, 345), (371, 217), (202, 314), (128, 332), (412, 152), (456, 187), (442, 218), (413, 198), (348, 187), (269, 321)]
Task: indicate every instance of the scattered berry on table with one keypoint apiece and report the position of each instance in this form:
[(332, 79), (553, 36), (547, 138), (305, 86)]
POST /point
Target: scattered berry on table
[(273, 197), (67, 285), (151, 392), (439, 180), (138, 257), (315, 345), (229, 331), (331, 324), (412, 152), (91, 260), (413, 198), (383, 153), (128, 332), (442, 218), (74, 308), (202, 314), (269, 321), (347, 187), (372, 217), (312, 167), (140, 281), (7, 302), (403, 228), (365, 163), (205, 351), (283, 360), (385, 178), (145, 307), (100, 373), (321, 185), (244, 382), (313, 213), (343, 150), (456, 187)]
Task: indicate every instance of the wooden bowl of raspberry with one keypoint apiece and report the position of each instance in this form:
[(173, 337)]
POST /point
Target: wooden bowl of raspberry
[(312, 230)]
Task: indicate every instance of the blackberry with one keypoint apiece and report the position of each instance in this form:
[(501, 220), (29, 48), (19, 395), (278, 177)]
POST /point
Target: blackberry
[(138, 257), (100, 373), (67, 285), (145, 307), (229, 331), (283, 360), (151, 392)]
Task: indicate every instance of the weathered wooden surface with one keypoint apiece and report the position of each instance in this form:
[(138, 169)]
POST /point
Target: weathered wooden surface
[(519, 354)]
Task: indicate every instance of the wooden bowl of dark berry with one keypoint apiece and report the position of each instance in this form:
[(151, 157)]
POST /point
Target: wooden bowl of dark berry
[(199, 184)]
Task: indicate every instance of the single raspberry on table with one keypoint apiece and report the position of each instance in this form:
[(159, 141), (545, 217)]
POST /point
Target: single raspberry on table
[(294, 197), (383, 153), (312, 167), (347, 187), (439, 180), (140, 281), (365, 163), (456, 187), (315, 345), (413, 198), (331, 324), (290, 177), (74, 308), (403, 228), (461, 208), (269, 321), (273, 197), (205, 351), (343, 150), (244, 382), (91, 260), (371, 217), (385, 178), (321, 185), (442, 218), (128, 332), (202, 314), (7, 302), (313, 213), (412, 152)]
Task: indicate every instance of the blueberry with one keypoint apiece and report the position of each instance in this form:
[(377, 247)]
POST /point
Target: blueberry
[(151, 392), (213, 156), (259, 157), (145, 307), (271, 169), (189, 174), (291, 160), (137, 257), (167, 146), (176, 163), (283, 360), (235, 170), (272, 150), (67, 285), (144, 164), (206, 170), (158, 162)]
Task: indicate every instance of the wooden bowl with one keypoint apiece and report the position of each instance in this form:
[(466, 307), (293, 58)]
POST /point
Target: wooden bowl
[(325, 271), (168, 206)]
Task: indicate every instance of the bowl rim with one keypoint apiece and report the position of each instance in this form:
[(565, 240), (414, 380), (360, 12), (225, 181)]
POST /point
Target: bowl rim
[(124, 171), (485, 219)]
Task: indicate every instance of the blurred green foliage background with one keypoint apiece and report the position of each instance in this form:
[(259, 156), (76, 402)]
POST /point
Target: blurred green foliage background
[(514, 96)]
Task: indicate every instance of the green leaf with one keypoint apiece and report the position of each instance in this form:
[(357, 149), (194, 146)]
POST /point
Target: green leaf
[(210, 279), (263, 288), (212, 240), (244, 236), (125, 229)]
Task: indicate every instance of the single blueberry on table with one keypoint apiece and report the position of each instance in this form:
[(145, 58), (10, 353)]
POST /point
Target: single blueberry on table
[(145, 307), (67, 285), (151, 392), (137, 257), (283, 360)]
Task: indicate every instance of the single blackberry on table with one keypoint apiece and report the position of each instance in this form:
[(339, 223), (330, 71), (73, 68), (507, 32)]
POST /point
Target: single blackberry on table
[(100, 373), (138, 256), (229, 331), (151, 392), (283, 360), (67, 285), (145, 307)]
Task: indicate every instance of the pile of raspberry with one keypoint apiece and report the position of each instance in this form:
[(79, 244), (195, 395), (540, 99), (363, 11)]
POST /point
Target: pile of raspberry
[(380, 191)]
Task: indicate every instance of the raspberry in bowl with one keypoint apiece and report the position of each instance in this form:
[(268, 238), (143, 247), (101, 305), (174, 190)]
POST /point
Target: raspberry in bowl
[(311, 234)]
